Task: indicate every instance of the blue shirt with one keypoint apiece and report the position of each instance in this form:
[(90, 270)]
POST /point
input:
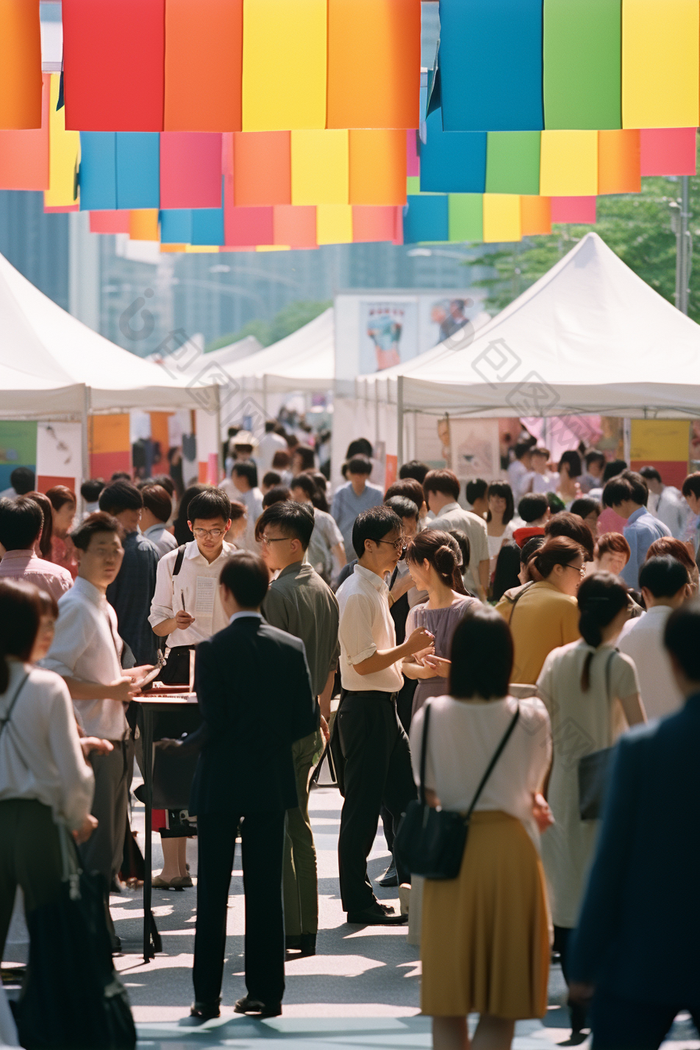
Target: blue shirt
[(641, 530), (347, 505)]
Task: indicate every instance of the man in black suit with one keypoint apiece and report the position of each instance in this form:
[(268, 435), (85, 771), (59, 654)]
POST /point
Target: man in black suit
[(256, 700), (635, 950)]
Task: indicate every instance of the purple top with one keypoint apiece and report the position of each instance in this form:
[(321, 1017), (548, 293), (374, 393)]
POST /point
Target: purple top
[(442, 623)]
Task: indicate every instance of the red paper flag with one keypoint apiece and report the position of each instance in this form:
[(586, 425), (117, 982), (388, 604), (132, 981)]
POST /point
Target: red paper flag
[(373, 224), (668, 151), (249, 226), (24, 155), (295, 226), (110, 221), (262, 168), (190, 169), (574, 209)]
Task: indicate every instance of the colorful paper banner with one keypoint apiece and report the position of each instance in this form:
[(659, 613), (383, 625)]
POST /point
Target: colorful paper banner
[(574, 209), (569, 163), (20, 65), (582, 67), (64, 156), (668, 151), (320, 167), (24, 154), (535, 215), (334, 224), (513, 162), (466, 217), (377, 167), (619, 162), (502, 221), (452, 161), (190, 169), (660, 63), (262, 168)]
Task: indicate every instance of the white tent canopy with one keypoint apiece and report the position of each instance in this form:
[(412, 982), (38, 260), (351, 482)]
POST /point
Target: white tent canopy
[(589, 337), (189, 363)]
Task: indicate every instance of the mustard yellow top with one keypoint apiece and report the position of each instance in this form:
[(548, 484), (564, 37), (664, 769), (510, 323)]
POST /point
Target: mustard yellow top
[(542, 619)]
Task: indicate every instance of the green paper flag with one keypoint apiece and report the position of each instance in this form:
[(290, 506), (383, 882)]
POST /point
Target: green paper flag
[(582, 64), (513, 162), (466, 216)]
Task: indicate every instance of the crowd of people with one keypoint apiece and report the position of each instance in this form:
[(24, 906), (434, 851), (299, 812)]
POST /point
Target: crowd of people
[(557, 607)]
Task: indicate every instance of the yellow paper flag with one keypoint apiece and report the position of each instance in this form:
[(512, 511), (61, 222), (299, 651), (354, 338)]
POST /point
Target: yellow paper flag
[(660, 62), (320, 167), (64, 155), (334, 224), (502, 219), (569, 164)]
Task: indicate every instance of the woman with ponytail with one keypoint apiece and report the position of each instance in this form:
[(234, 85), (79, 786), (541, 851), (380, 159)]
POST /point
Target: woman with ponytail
[(435, 563), (592, 694)]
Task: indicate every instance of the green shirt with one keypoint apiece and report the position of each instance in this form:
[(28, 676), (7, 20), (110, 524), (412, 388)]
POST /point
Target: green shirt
[(300, 603)]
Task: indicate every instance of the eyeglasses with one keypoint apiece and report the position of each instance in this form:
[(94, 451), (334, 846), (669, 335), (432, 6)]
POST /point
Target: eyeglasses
[(213, 534), (398, 545), (579, 569), (265, 541)]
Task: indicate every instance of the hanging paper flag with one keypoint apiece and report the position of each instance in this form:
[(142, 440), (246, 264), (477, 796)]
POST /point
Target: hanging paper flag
[(262, 168), (208, 227), (378, 167), (426, 219), (98, 170), (569, 163), (660, 63), (466, 217), (20, 65), (334, 224), (668, 151), (619, 162), (452, 162), (502, 221), (272, 248), (372, 224), (582, 40), (574, 209), (24, 155), (491, 65), (295, 227), (64, 154), (113, 64), (412, 158), (284, 64), (535, 215), (190, 169), (203, 65), (374, 63), (513, 162), (176, 226), (143, 225), (109, 221), (245, 226), (138, 169), (320, 167)]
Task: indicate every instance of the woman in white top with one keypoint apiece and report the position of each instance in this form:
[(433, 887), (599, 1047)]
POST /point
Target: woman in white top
[(484, 938), (44, 777), (592, 694), (499, 519)]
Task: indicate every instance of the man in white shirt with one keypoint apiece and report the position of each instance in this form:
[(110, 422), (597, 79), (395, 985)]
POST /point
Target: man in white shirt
[(156, 513), (376, 760), (86, 652), (541, 479), (666, 503), (268, 445), (664, 584), (520, 471), (326, 539), (442, 492), (243, 487)]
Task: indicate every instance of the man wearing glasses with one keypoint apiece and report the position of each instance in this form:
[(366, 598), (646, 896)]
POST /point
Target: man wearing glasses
[(374, 746)]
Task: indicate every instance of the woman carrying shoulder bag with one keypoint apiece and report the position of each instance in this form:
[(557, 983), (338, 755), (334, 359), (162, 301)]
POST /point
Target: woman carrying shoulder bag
[(44, 777), (484, 940)]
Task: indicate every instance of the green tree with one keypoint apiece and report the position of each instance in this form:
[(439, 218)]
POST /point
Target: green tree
[(288, 320)]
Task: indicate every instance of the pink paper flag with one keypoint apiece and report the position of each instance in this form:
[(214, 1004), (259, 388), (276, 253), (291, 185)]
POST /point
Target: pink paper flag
[(668, 151), (412, 158), (190, 169), (574, 209)]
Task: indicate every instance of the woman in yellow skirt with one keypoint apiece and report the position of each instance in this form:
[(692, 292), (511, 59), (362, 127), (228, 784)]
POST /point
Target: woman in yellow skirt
[(485, 935)]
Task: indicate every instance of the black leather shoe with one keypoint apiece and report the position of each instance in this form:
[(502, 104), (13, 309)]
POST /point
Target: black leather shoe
[(377, 915), (205, 1011), (302, 944), (389, 878), (256, 1008)]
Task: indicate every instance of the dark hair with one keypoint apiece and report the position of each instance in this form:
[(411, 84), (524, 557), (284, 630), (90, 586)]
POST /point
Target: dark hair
[(20, 611), (373, 524), (209, 504), (277, 494), (482, 655), (651, 474), (414, 469), (157, 500), (181, 528), (21, 521), (44, 504), (246, 470), (676, 548), (403, 506), (295, 520), (566, 524), (271, 479), (538, 450), (306, 455), (594, 457), (120, 475), (507, 567), (306, 483), (522, 448), (281, 460), (270, 425), (502, 488), (359, 447), (238, 510), (558, 550), (530, 547), (612, 541), (572, 460), (408, 488), (612, 469), (465, 548), (584, 506), (94, 523), (119, 496), (682, 638), (533, 506), (59, 495), (663, 576), (90, 490), (359, 465), (555, 503), (246, 576), (165, 482), (23, 480), (443, 481), (476, 490), (691, 485), (319, 498), (442, 552), (601, 596), (320, 478), (628, 486)]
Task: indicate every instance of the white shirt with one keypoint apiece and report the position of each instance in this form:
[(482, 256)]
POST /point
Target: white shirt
[(519, 478), (325, 536), (544, 483), (240, 615), (462, 738), (40, 754), (198, 583), (452, 516), (161, 538), (265, 452), (366, 626), (671, 508), (252, 500), (642, 640), (87, 646)]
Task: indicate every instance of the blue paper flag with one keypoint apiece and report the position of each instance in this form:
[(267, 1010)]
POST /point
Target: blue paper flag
[(176, 226), (426, 219), (138, 169), (452, 161), (98, 171)]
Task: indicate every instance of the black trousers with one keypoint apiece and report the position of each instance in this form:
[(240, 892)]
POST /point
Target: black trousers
[(377, 771), (263, 853), (404, 708), (626, 1024)]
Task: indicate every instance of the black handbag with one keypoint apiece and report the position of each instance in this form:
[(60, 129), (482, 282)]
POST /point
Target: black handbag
[(594, 771), (430, 842)]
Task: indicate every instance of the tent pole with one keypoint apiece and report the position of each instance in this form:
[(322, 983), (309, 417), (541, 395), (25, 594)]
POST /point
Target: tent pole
[(399, 419)]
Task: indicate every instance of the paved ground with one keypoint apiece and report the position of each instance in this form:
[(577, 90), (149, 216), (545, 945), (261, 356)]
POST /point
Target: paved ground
[(361, 990)]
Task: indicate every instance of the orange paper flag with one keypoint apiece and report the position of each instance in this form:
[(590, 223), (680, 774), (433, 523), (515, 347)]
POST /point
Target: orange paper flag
[(535, 215), (619, 162), (262, 168), (20, 64), (24, 155), (378, 167)]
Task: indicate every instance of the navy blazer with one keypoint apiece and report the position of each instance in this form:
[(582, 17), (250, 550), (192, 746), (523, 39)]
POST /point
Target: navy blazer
[(639, 929), (255, 698)]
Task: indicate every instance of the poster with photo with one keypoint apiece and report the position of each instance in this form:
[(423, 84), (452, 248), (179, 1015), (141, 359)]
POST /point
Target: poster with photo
[(473, 448), (388, 333)]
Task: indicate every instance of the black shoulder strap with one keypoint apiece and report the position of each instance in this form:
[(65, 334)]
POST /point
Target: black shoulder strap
[(424, 753), (494, 760), (179, 560), (10, 709)]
